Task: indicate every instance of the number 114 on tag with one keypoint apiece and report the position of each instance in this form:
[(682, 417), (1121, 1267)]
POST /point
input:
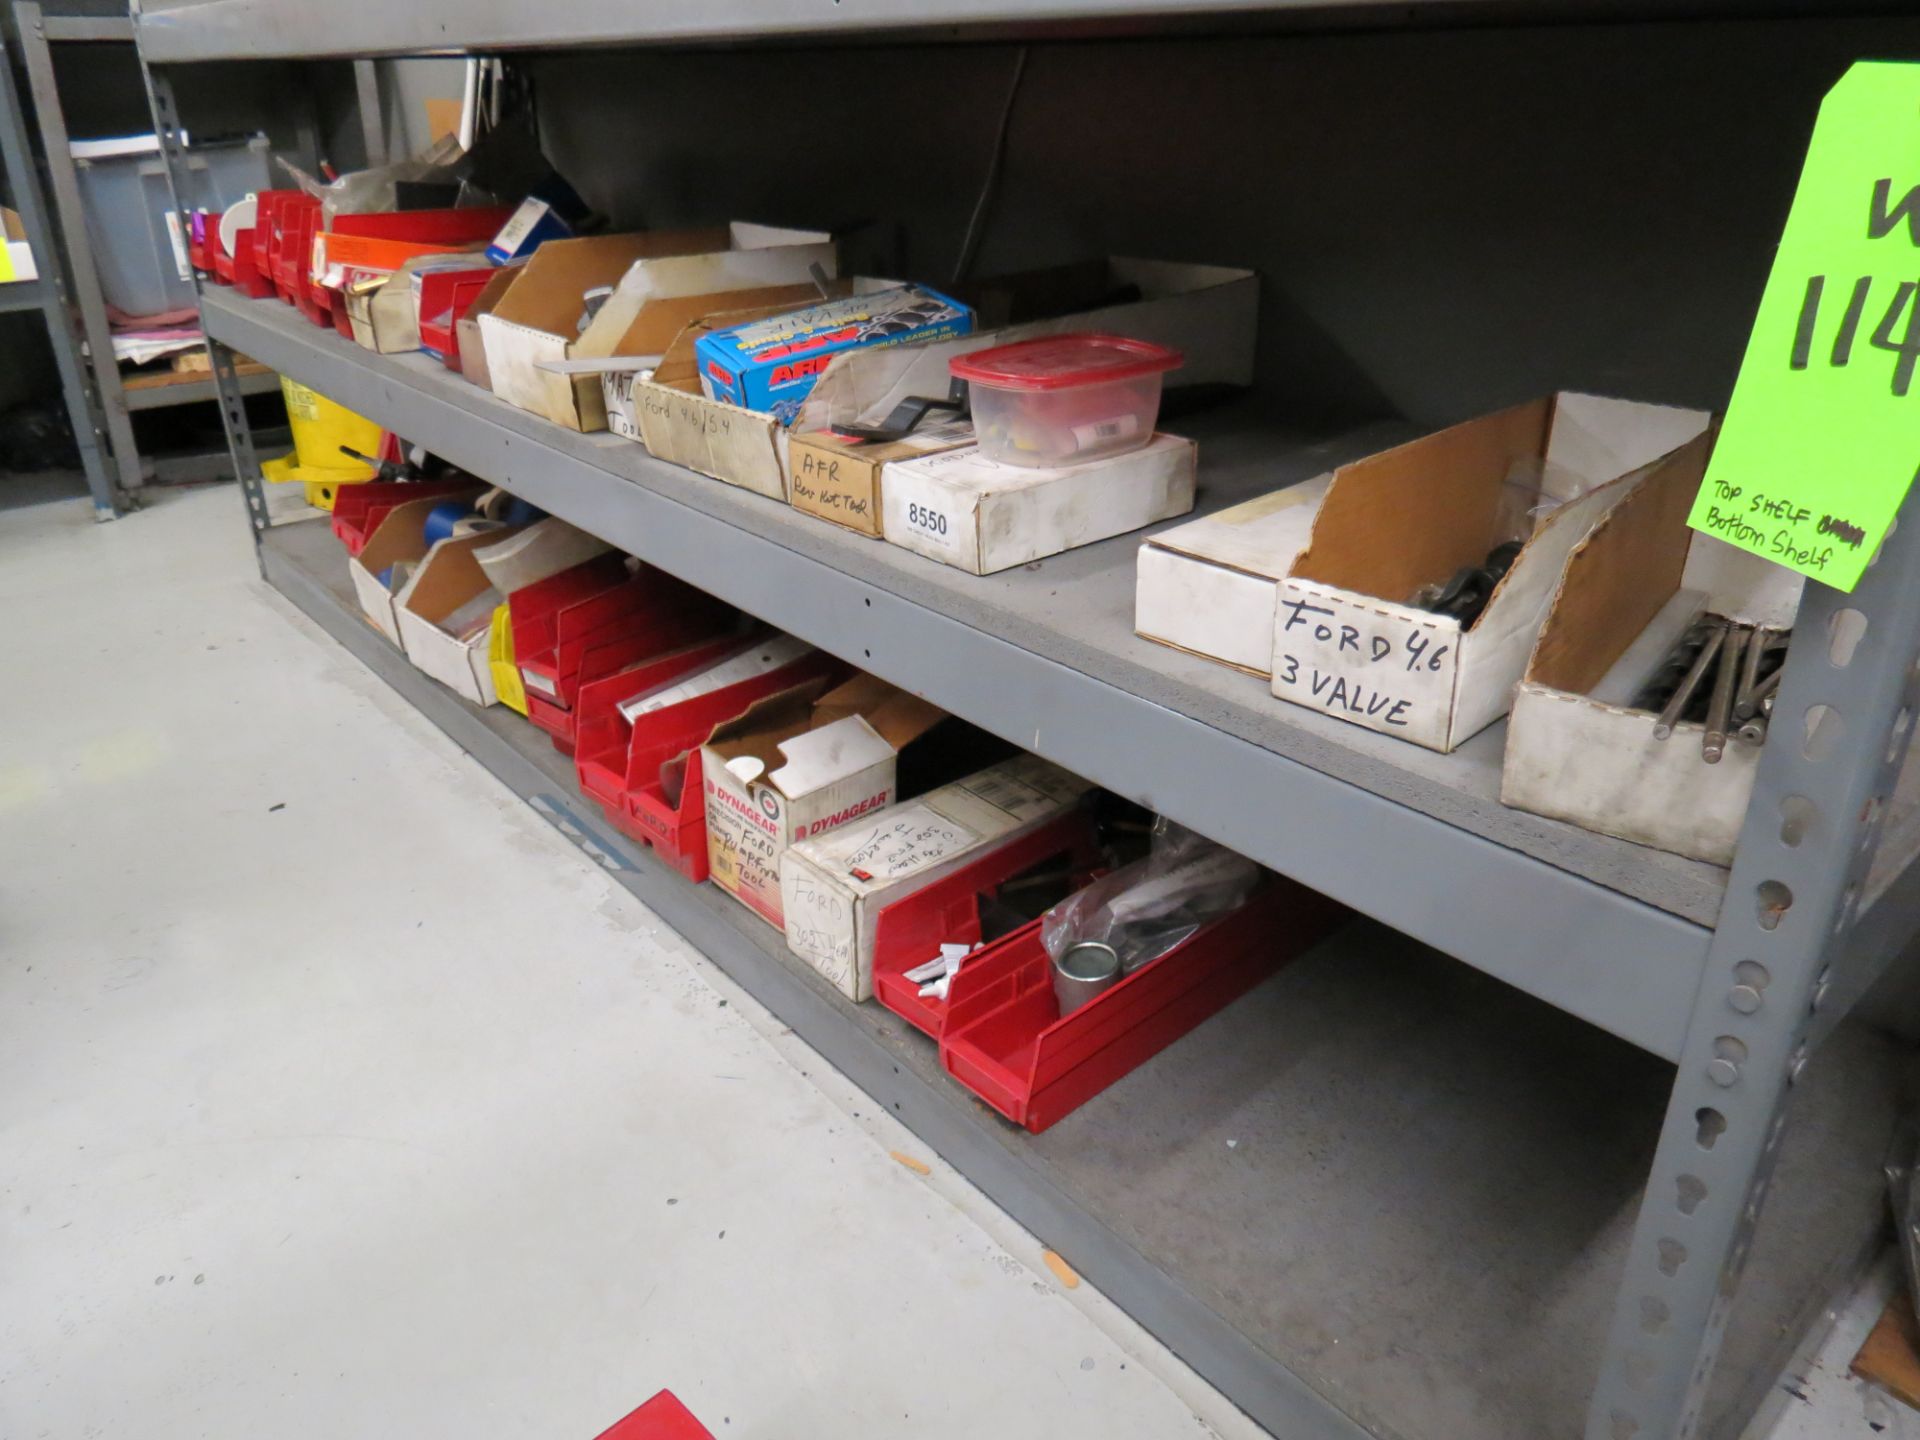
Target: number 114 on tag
[(1822, 437)]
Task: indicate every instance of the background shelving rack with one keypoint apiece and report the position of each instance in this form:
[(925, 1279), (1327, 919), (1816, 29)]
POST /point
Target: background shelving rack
[(1457, 1207)]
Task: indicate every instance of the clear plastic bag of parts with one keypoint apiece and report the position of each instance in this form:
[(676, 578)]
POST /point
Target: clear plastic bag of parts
[(1145, 909)]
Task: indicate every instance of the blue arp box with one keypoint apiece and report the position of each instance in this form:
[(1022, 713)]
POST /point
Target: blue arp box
[(770, 365)]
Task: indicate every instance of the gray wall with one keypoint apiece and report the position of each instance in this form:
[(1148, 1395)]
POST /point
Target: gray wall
[(1444, 221)]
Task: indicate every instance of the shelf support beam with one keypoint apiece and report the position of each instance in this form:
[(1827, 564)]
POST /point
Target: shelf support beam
[(1779, 963)]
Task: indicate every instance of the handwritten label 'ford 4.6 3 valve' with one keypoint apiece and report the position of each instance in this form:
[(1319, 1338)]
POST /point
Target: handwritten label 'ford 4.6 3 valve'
[(1371, 666)]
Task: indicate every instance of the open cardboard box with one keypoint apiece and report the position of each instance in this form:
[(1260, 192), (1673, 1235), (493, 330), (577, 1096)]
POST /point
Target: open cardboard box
[(1345, 638), (1207, 312), (754, 257), (447, 579), (982, 516), (1576, 750), (1210, 586), (536, 320), (656, 324), (678, 422), (398, 538), (822, 761), (466, 330), (833, 889)]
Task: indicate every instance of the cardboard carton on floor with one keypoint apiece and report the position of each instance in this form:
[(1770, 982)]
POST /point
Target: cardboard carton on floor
[(979, 515), (832, 889), (1207, 312), (466, 330), (400, 538), (537, 319), (1577, 750), (1346, 638), (795, 766), (1210, 586)]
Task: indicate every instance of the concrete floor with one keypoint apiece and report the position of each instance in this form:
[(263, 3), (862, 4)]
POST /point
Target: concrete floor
[(339, 1095)]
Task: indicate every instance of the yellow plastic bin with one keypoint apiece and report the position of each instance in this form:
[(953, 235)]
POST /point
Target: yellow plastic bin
[(506, 672), (320, 428)]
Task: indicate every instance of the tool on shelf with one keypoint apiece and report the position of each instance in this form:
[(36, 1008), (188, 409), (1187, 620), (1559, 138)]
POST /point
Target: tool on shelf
[(1738, 703), (1472, 586)]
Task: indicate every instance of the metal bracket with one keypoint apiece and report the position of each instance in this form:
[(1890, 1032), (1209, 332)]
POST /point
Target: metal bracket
[(1843, 722)]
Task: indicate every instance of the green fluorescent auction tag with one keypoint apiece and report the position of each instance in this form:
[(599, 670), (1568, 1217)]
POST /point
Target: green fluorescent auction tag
[(1822, 437)]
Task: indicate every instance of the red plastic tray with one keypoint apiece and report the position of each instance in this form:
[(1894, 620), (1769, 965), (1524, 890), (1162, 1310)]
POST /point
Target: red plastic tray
[(619, 764), (590, 621), (661, 1418), (909, 931), (1006, 1041), (359, 509)]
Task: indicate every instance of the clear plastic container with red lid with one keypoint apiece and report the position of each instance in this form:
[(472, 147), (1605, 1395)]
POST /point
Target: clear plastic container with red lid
[(1065, 399)]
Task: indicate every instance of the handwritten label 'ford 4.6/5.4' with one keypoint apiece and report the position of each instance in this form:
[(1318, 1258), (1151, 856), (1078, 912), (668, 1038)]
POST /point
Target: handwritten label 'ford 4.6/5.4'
[(1371, 666)]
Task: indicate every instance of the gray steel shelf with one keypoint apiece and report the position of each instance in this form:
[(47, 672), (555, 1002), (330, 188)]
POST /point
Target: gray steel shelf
[(189, 30), (193, 392), (1421, 1224), (1046, 657), (23, 295)]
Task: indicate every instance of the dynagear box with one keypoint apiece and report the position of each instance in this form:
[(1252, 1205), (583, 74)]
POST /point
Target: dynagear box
[(1348, 637), (1578, 749), (832, 889), (794, 767), (979, 515), (1209, 586)]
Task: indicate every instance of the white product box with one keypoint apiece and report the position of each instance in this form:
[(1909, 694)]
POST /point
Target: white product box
[(1345, 639), (800, 767), (962, 509), (832, 890), (1210, 586), (1576, 749)]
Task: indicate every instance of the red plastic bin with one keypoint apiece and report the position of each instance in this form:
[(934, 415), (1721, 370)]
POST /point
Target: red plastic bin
[(910, 931), (619, 764), (661, 1418), (466, 225), (1006, 1041), (241, 269), (446, 295), (359, 509), (587, 622)]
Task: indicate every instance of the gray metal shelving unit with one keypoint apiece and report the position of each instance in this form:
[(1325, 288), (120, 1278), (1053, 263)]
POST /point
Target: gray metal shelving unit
[(38, 33), (1469, 1262), (48, 293)]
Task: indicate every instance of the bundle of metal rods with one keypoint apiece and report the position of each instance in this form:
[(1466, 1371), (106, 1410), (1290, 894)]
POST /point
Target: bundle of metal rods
[(1745, 662)]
